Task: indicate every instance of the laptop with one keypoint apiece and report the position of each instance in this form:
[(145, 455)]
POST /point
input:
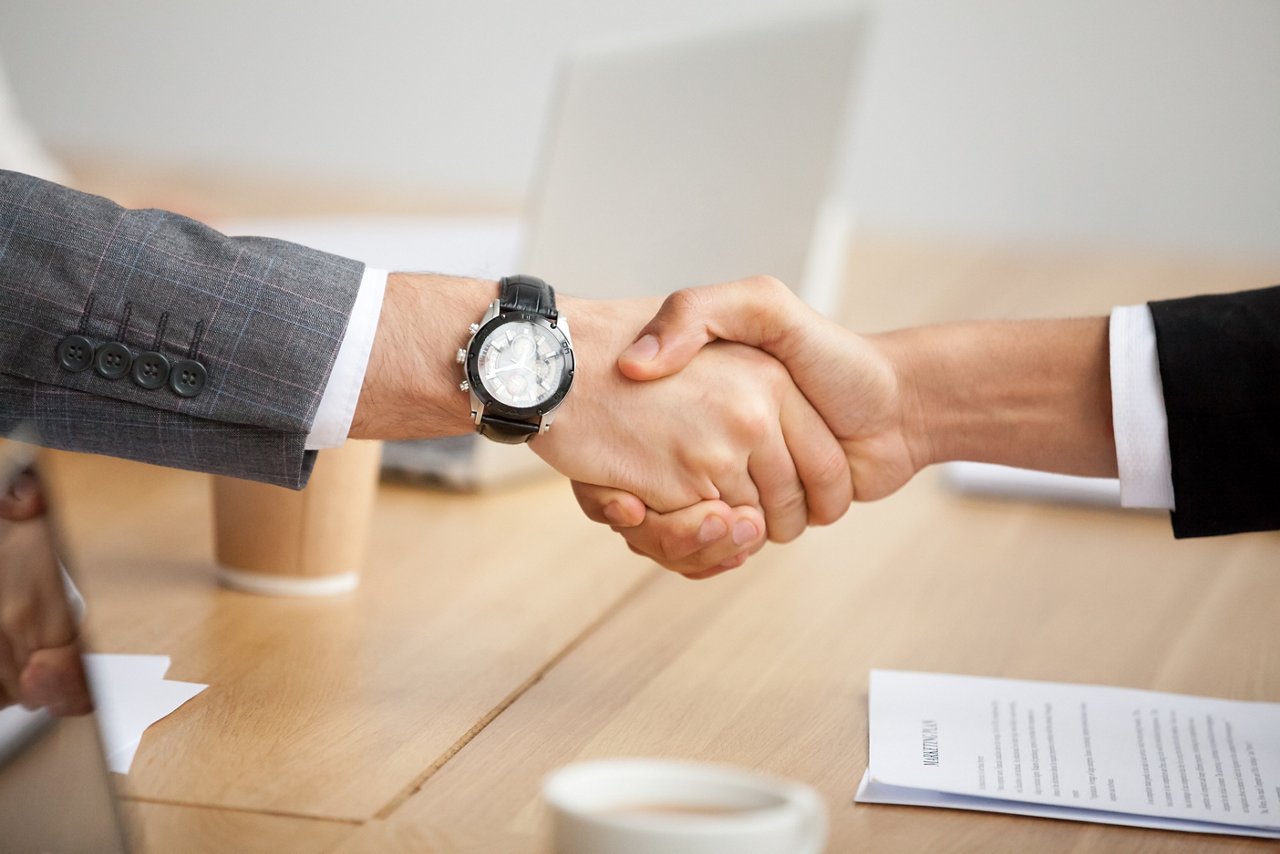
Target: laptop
[(55, 792), (688, 159)]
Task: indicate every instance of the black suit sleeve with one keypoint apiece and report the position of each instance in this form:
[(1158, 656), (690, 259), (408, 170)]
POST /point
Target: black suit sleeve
[(1220, 369)]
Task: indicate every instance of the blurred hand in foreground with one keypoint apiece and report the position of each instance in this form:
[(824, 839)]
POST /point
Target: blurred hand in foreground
[(40, 664)]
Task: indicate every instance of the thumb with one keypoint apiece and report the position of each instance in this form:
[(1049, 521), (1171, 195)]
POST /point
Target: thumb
[(759, 312)]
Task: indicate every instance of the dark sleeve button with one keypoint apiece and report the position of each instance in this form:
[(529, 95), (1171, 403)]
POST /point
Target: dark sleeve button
[(150, 370), (112, 360), (187, 378), (75, 353)]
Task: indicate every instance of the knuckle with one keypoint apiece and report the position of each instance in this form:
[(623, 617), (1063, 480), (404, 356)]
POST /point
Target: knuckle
[(753, 423), (718, 463), (681, 303), (767, 285), (728, 468), (791, 507), (768, 373)]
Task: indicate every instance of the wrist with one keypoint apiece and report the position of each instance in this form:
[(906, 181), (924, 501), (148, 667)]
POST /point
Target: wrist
[(920, 412), (601, 330), (410, 390)]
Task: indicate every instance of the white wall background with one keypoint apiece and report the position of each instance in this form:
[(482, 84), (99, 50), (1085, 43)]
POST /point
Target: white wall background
[(1131, 123)]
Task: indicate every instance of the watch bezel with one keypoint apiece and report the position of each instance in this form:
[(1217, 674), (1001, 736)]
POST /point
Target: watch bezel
[(493, 406)]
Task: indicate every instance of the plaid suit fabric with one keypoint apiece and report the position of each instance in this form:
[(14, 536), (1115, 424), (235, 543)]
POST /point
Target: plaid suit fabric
[(265, 317)]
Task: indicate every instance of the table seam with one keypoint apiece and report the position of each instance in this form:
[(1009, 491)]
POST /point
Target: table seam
[(350, 822), (627, 597)]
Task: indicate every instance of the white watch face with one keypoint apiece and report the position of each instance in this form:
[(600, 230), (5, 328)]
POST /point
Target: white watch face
[(521, 364)]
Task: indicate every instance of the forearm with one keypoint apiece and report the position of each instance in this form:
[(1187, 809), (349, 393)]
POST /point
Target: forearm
[(1034, 394), (410, 389)]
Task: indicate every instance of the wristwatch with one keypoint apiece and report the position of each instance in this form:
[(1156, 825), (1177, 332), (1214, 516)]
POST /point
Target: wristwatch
[(518, 364)]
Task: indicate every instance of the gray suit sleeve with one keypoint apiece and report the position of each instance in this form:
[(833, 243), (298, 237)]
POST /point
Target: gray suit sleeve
[(264, 318)]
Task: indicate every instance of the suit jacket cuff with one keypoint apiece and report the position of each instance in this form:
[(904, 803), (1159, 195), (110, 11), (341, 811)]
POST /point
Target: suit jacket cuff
[(1219, 360)]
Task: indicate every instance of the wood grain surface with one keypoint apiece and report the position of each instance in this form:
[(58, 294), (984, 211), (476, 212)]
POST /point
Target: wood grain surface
[(498, 637)]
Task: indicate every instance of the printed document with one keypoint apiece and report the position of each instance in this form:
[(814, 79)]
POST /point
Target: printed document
[(1080, 752)]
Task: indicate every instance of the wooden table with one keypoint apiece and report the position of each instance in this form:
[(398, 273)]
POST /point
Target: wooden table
[(497, 637)]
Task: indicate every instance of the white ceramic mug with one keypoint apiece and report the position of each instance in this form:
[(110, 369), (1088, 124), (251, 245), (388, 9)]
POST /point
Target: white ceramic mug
[(655, 806)]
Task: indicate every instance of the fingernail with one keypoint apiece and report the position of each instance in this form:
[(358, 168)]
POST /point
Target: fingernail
[(712, 529), (614, 513), (643, 350), (744, 532)]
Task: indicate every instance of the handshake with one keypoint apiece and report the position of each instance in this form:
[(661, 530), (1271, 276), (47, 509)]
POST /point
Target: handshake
[(728, 415), (771, 418)]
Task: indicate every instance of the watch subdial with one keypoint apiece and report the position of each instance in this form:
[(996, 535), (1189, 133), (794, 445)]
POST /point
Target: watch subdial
[(522, 348)]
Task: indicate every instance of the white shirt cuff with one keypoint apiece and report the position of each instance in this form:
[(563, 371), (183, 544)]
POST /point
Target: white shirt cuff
[(1137, 411), (338, 403)]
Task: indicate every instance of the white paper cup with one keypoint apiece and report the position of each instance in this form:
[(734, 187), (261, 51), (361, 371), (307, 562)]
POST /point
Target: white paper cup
[(648, 806)]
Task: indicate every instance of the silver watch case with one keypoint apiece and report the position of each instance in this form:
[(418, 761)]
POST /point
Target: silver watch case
[(481, 402)]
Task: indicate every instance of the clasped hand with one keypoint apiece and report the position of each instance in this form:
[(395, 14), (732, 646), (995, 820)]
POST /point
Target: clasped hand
[(746, 441)]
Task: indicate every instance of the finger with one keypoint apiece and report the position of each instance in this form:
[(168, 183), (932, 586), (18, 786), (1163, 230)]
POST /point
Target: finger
[(782, 495), (697, 538), (23, 500), (731, 562), (609, 506), (761, 312), (819, 459), (734, 484), (54, 680), (748, 549)]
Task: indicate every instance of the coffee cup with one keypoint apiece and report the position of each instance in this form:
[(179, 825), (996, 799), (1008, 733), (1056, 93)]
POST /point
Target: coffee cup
[(653, 806), (310, 542)]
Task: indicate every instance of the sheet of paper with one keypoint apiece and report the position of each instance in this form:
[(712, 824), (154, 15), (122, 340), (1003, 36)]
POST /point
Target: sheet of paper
[(1084, 752), (131, 693)]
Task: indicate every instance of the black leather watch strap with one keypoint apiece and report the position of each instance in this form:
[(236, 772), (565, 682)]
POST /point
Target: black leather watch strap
[(527, 293), (506, 431)]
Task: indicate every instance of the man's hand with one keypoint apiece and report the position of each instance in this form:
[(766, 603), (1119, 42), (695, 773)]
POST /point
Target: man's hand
[(1034, 394), (851, 380), (731, 427), (40, 663), (848, 379)]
